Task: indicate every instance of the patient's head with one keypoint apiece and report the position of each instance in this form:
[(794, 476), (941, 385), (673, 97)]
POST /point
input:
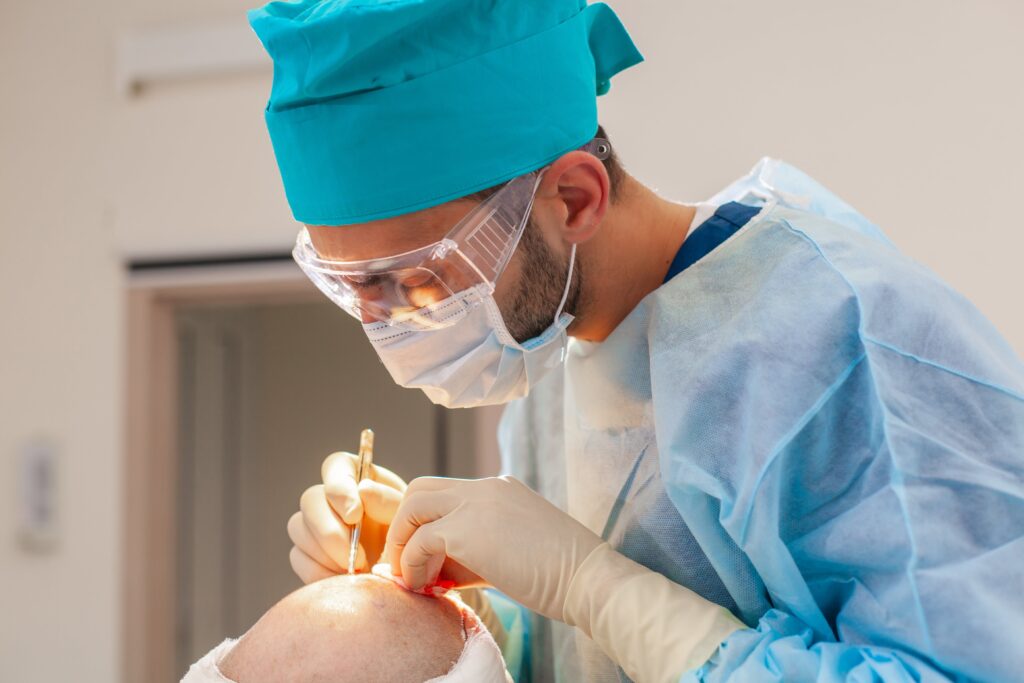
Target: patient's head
[(351, 628)]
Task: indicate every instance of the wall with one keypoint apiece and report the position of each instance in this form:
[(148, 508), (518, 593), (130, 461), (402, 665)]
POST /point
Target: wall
[(60, 289), (86, 178), (909, 109)]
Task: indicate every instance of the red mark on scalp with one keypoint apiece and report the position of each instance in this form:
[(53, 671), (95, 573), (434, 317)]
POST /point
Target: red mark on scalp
[(443, 584)]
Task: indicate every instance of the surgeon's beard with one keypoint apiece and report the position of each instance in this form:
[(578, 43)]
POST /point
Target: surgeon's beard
[(533, 303)]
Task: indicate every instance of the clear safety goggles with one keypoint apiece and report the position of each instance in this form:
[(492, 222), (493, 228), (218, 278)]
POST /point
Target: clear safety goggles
[(433, 286)]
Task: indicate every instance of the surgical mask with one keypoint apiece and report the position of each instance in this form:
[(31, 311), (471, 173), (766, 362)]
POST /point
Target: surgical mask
[(476, 361)]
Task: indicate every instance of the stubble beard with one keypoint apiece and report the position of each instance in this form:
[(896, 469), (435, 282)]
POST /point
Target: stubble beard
[(533, 304)]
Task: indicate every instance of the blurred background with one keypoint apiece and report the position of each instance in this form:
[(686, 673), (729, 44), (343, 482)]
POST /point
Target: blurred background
[(169, 384)]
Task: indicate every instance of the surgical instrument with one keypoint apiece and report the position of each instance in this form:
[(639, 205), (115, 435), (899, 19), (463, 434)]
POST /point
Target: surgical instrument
[(362, 472)]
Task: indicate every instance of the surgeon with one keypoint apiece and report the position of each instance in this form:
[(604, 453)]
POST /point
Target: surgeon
[(751, 440)]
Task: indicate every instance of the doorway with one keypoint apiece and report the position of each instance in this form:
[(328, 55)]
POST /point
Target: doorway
[(241, 379)]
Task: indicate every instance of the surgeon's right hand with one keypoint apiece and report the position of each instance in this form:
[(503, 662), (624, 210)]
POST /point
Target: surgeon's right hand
[(320, 529)]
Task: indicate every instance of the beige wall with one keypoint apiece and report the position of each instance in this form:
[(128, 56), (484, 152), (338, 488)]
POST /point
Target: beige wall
[(910, 110), (60, 345)]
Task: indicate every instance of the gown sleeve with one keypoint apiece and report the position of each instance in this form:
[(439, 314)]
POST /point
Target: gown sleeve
[(782, 648), (889, 533)]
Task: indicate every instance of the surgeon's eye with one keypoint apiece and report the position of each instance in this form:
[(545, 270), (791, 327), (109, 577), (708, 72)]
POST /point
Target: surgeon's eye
[(358, 282), (417, 278)]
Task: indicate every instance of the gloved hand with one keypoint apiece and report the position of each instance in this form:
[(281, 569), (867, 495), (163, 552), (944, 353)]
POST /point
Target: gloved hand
[(320, 529), (502, 532), (494, 529)]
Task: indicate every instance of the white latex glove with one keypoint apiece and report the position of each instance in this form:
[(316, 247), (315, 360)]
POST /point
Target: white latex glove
[(494, 529), (656, 630), (499, 531), (320, 529)]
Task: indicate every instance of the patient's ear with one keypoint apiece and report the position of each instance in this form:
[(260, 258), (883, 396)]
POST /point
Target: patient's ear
[(349, 628)]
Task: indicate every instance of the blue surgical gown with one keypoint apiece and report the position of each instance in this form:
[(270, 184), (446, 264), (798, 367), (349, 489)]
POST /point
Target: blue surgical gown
[(841, 434)]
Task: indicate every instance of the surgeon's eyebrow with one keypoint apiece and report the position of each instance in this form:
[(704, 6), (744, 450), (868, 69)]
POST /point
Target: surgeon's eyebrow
[(424, 231), (358, 281)]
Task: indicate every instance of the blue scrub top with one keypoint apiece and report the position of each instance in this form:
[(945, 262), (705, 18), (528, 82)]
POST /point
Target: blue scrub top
[(726, 222)]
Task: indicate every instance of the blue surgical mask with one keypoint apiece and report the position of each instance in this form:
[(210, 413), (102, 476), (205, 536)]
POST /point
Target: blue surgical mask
[(475, 362)]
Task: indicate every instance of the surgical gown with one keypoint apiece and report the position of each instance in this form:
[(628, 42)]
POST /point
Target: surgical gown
[(811, 429)]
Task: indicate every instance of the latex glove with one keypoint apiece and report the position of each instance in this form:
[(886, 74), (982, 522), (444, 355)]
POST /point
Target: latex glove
[(320, 529), (507, 535), (655, 629), (496, 530)]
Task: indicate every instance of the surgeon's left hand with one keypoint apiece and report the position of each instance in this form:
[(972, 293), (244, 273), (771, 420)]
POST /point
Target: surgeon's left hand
[(499, 531)]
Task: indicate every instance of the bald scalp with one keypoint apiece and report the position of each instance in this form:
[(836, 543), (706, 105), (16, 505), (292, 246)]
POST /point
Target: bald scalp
[(349, 628)]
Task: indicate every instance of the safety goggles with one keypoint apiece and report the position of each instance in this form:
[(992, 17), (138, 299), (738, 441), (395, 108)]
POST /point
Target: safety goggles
[(435, 285)]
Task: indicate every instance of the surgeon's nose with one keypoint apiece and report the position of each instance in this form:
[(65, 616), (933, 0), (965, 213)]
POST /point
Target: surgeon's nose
[(366, 317), (427, 293), (370, 305)]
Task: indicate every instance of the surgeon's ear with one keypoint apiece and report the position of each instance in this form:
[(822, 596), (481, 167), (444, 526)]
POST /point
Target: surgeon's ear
[(574, 192)]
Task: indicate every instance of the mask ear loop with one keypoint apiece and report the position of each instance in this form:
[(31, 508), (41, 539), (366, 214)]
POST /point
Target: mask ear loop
[(600, 148), (565, 295)]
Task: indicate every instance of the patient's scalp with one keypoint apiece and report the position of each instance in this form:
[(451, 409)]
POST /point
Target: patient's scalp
[(349, 628)]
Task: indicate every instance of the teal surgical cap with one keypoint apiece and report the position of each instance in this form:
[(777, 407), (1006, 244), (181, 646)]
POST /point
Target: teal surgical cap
[(383, 107)]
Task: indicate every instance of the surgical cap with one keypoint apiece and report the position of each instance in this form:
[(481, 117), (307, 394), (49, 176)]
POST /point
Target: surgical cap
[(383, 107)]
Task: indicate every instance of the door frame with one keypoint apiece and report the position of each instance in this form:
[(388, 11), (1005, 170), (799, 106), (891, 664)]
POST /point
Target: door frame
[(467, 445), (153, 296)]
